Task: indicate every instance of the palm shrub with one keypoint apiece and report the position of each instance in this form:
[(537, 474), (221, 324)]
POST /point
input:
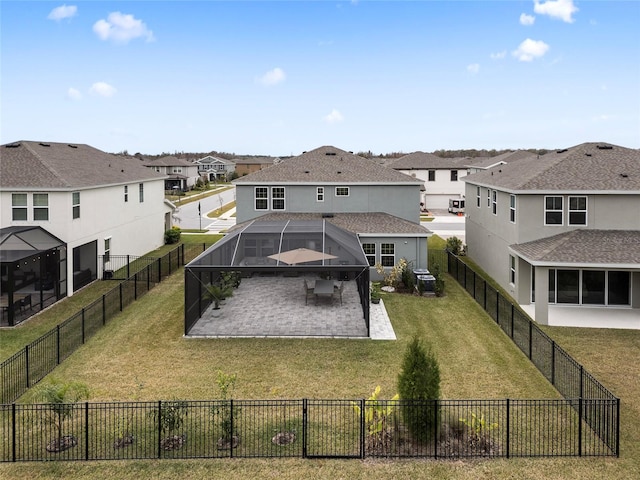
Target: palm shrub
[(419, 389)]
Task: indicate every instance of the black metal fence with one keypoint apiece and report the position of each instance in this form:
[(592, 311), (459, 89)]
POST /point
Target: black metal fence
[(563, 371), (28, 366), (304, 428), (121, 267)]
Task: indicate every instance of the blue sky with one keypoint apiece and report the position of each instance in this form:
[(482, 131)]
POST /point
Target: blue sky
[(279, 78)]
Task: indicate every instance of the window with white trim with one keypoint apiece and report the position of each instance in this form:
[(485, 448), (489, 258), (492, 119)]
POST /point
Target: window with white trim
[(512, 209), (488, 197), (370, 253), (75, 201), (126, 193), (512, 269), (277, 198), (431, 176), (553, 210), (107, 249), (40, 206), (388, 254), (454, 175), (262, 198), (320, 194), (494, 202), (342, 191), (141, 192), (577, 210), (18, 206), (478, 196), (176, 170)]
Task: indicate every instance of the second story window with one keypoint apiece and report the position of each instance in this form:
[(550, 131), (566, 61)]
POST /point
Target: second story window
[(512, 209), (75, 200), (320, 194), (177, 169), (126, 193), (262, 198), (41, 206), (277, 198), (488, 197), (553, 210), (19, 206), (370, 253), (141, 192), (494, 202), (577, 210), (478, 196), (107, 249), (454, 175), (342, 191), (432, 176)]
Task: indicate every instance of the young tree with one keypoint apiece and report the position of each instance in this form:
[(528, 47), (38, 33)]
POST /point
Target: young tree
[(419, 389)]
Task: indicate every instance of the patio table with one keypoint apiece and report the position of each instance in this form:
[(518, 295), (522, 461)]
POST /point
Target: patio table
[(323, 288)]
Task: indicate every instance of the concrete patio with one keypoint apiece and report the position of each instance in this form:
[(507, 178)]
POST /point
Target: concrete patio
[(274, 306)]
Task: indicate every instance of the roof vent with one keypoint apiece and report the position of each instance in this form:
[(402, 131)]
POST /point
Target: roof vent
[(331, 154), (72, 146), (562, 151), (327, 215), (12, 145), (45, 144), (306, 171), (122, 170), (624, 175), (605, 147), (339, 172), (588, 154)]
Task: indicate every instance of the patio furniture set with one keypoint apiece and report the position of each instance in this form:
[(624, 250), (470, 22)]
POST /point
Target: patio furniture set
[(323, 288)]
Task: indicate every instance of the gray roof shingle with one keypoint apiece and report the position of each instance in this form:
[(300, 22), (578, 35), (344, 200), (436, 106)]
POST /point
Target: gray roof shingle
[(43, 165), (168, 161), (329, 165), (586, 167), (584, 247)]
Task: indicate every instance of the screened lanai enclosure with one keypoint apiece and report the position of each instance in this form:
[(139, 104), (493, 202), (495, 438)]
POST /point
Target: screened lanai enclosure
[(33, 272), (279, 278)]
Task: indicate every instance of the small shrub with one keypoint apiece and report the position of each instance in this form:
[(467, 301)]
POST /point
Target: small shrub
[(378, 420), (438, 287), (454, 245), (419, 385), (172, 235)]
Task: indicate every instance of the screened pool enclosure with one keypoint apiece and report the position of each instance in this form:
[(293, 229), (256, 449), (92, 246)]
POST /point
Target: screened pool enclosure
[(278, 251)]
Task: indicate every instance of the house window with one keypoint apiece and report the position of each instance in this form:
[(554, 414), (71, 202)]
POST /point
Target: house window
[(512, 269), (370, 253), (320, 194), (41, 206), (494, 202), (577, 210), (141, 192), (512, 209), (19, 206), (75, 200), (277, 198), (126, 193), (488, 197), (432, 176), (342, 191), (454, 175), (478, 196), (553, 210), (107, 249), (262, 198), (176, 169), (388, 254)]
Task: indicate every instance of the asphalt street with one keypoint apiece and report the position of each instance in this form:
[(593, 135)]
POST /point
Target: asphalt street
[(187, 216)]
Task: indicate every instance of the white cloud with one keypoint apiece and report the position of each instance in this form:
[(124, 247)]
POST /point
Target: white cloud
[(498, 55), (473, 68), (527, 19), (103, 89), (121, 28), (530, 49), (74, 94), (334, 117), (65, 11), (272, 77), (560, 9)]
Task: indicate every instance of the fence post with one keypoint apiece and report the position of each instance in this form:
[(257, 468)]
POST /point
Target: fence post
[(135, 286), (104, 310), (580, 427), (82, 326), (530, 340), (508, 427), (581, 381), (363, 405), (159, 270), (169, 262), (512, 322), (498, 308), (26, 361), (553, 363), (618, 427), (13, 432), (435, 429), (231, 415), (148, 277), (86, 430), (305, 425), (159, 428), (58, 344), (128, 272), (120, 290)]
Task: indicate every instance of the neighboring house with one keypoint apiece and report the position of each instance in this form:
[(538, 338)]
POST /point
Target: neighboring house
[(182, 174), (378, 204), (441, 177), (214, 168), (247, 165), (562, 229), (94, 202), (479, 164)]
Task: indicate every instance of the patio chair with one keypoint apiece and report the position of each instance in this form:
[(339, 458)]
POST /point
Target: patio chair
[(337, 291), (26, 301), (308, 291)]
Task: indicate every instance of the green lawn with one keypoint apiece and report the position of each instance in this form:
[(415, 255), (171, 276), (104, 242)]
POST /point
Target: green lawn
[(144, 346)]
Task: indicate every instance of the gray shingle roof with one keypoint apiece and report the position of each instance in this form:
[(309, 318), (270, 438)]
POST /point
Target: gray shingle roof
[(327, 164), (584, 247), (426, 161), (586, 167), (361, 223), (43, 165), (507, 157), (168, 161)]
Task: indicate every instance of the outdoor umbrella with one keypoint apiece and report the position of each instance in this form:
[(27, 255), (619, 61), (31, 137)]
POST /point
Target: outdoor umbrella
[(301, 255)]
